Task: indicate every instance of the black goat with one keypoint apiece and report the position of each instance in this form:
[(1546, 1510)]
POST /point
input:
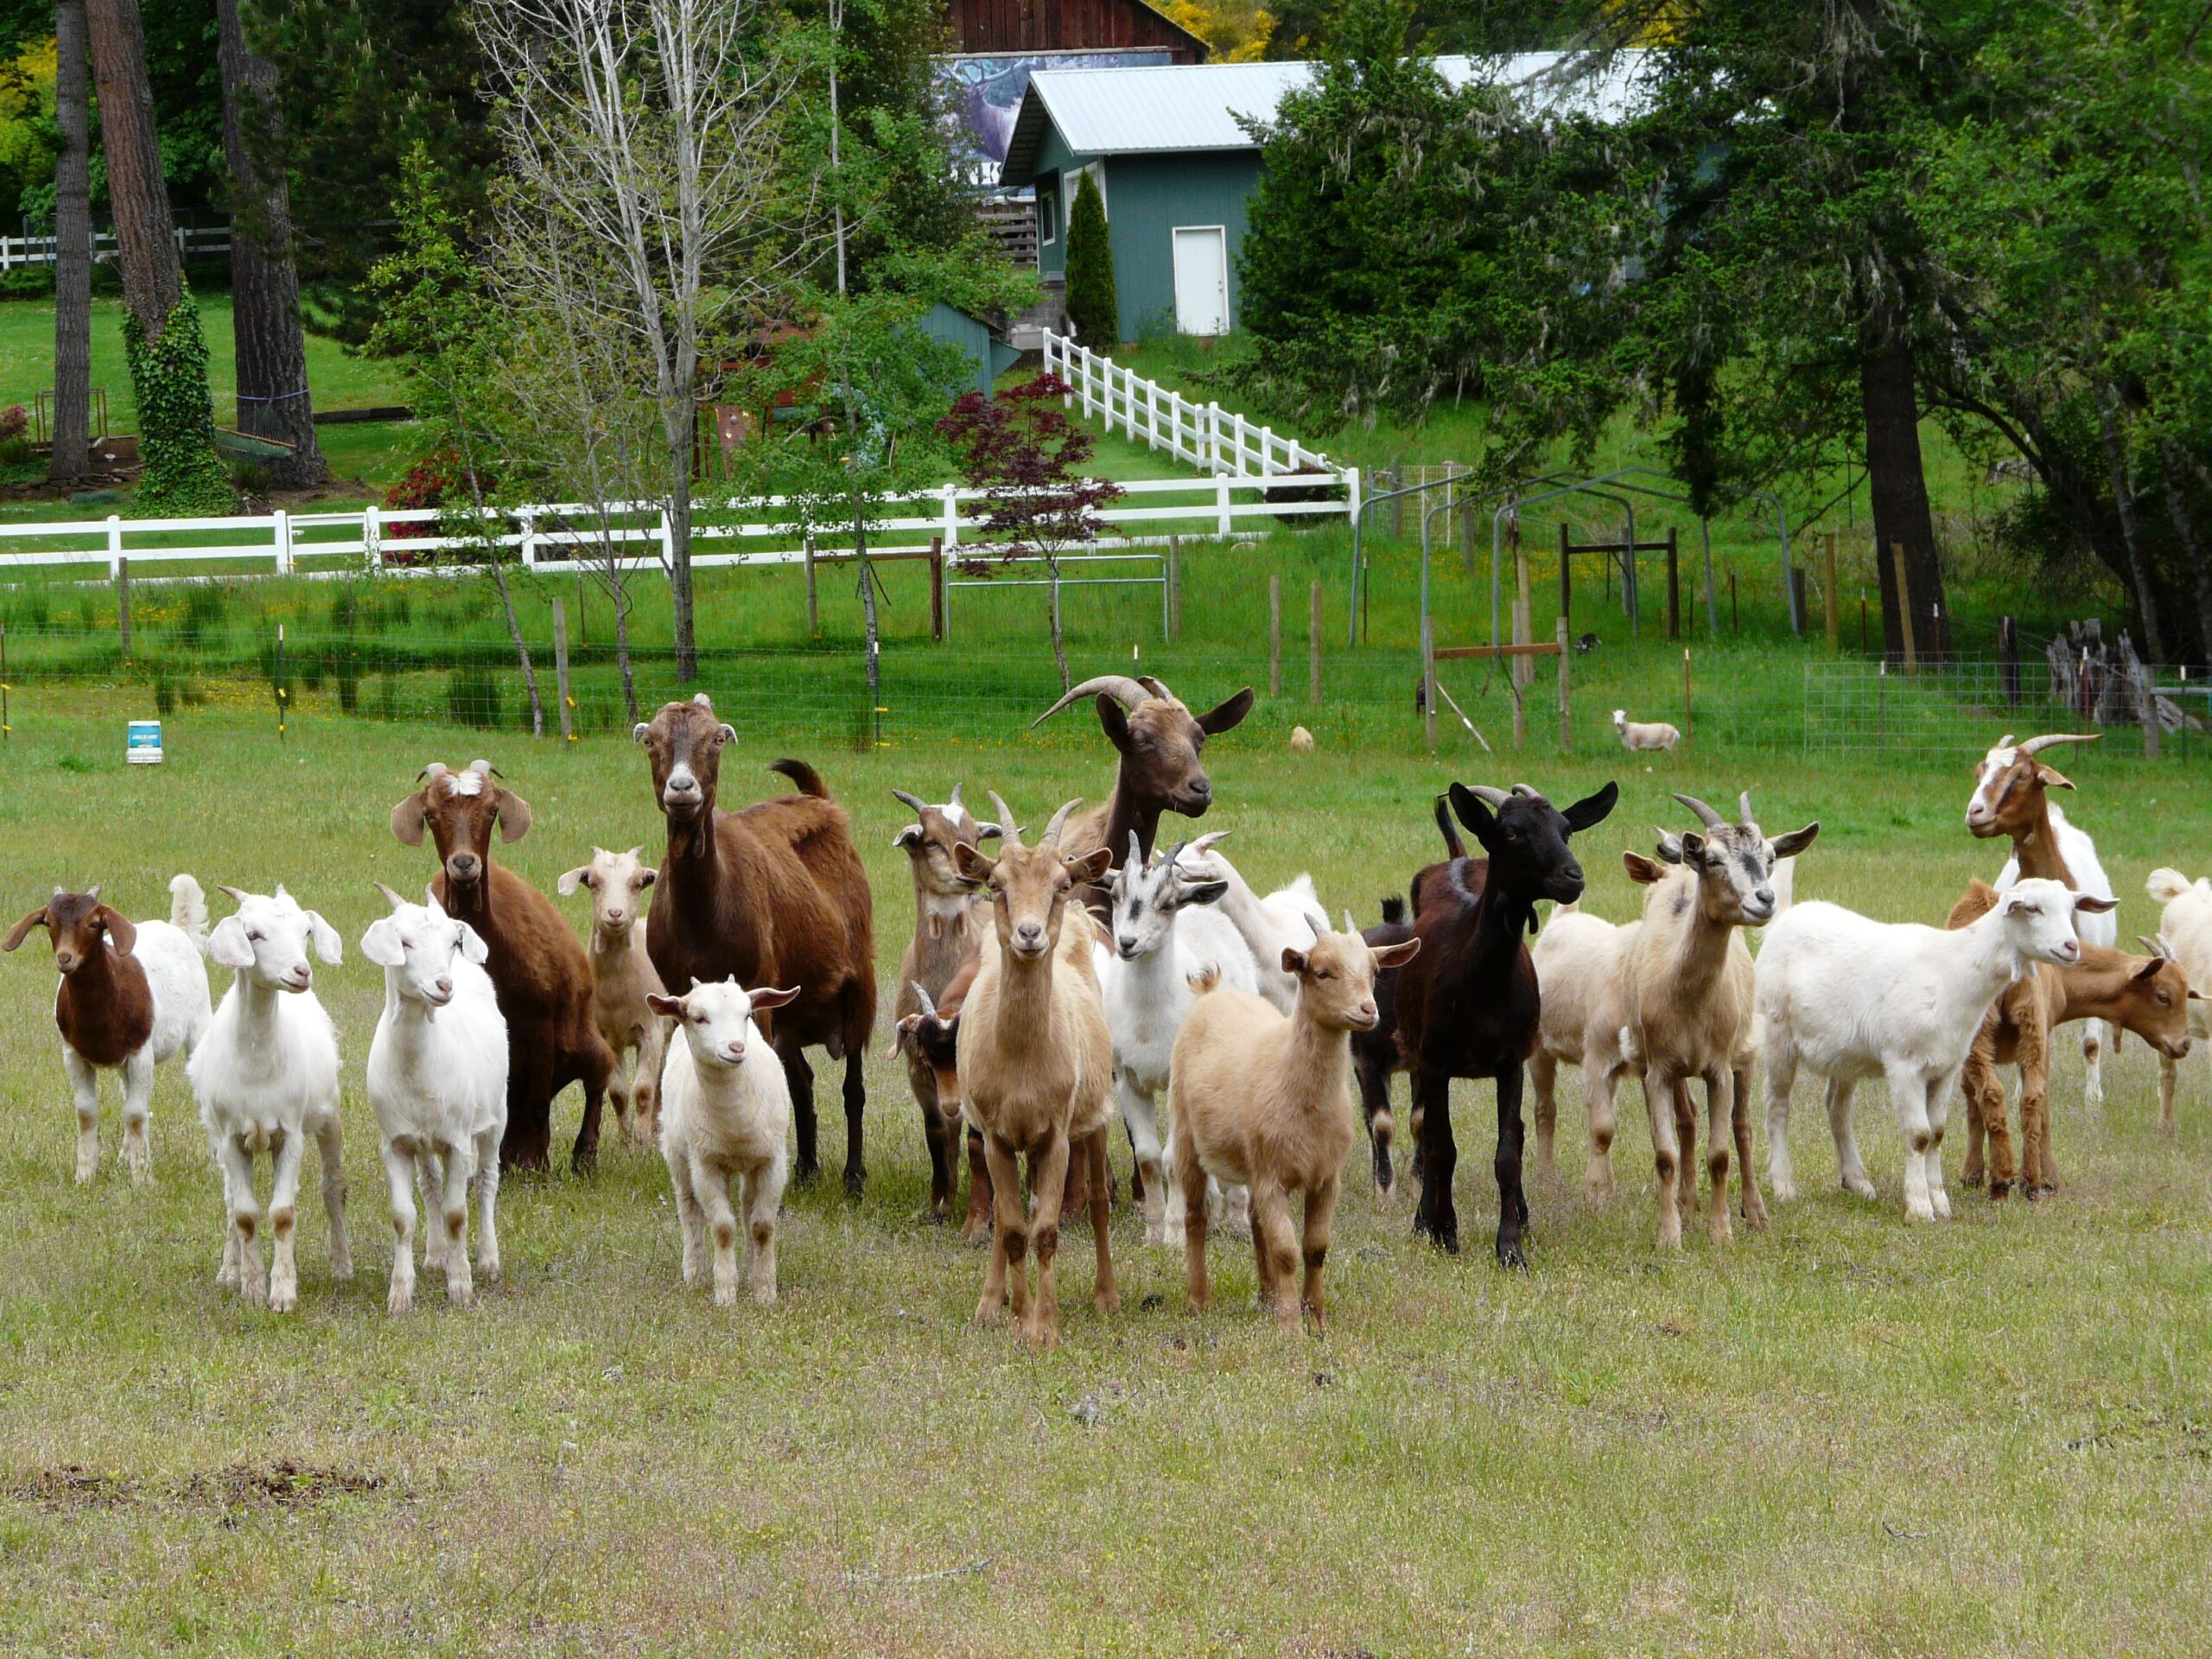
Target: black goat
[(1467, 1005)]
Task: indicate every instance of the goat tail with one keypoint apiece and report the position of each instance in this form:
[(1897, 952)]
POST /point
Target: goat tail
[(1394, 912), (804, 778), (1453, 847), (2166, 884), (1204, 979), (188, 910)]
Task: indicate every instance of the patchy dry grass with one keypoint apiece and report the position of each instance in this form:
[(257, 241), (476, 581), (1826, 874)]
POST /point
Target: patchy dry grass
[(1845, 1437)]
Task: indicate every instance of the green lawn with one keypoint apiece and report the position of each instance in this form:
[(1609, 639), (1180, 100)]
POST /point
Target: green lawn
[(1848, 1436)]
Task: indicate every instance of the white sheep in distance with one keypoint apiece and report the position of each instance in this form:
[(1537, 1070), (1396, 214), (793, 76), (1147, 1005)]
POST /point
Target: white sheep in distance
[(1640, 735), (725, 1112), (266, 1077), (437, 1079), (1850, 998)]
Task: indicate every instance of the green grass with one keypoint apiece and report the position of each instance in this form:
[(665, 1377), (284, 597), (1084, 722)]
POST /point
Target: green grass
[(1846, 1437)]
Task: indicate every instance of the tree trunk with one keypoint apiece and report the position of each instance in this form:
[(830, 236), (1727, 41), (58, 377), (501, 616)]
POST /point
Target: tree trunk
[(2192, 550), (145, 233), (2123, 499), (1899, 488), (272, 363), (1060, 644), (680, 435), (622, 650), (73, 245)]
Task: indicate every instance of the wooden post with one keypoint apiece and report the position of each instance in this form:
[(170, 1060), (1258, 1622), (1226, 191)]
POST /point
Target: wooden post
[(1862, 621), (582, 616), (6, 730), (1674, 587), (2146, 689), (1827, 583), (1275, 636), (1524, 669), (1686, 694), (1313, 648), (1565, 579), (1566, 712), (1175, 586), (122, 606), (280, 682), (1398, 509), (1428, 679), (1905, 609), (1735, 617), (813, 603), (2008, 658), (937, 587), (561, 671)]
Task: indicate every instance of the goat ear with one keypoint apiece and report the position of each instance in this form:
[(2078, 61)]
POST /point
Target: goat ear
[(638, 732), (1796, 841), (121, 931), (1691, 845), (971, 865), (2094, 906), (570, 879), (1645, 872), (514, 816), (1592, 810), (1294, 960), (910, 836), (647, 876), (671, 1007), (473, 945), (22, 930), (1397, 956), (328, 945), (767, 998), (987, 830), (380, 944), (2149, 969), (2199, 996), (1474, 812), (407, 819), (1114, 720), (2049, 778), (1226, 716), (725, 734), (1093, 866), (1201, 892), (228, 946)]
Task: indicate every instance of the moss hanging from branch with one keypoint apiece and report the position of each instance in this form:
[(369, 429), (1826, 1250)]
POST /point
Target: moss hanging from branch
[(177, 421)]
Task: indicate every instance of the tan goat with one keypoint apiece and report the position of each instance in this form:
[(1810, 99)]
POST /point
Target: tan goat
[(1263, 1101), (623, 980), (1037, 1065)]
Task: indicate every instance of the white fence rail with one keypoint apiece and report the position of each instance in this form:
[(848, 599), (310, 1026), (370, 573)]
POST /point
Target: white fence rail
[(1204, 436), (40, 250), (555, 539)]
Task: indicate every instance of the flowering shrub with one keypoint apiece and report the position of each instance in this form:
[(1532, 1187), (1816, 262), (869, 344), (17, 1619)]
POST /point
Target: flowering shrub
[(437, 480), (15, 421)]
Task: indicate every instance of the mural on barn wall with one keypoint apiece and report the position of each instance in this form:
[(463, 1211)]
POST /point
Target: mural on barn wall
[(987, 91)]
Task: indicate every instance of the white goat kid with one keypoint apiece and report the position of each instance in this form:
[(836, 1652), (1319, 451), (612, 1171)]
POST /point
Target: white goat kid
[(726, 1112), (2185, 933), (438, 1081), (266, 1077), (1163, 932), (1849, 998), (1289, 918)]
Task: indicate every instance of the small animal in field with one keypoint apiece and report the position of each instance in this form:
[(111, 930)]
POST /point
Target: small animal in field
[(1587, 644), (1640, 735), (1301, 740)]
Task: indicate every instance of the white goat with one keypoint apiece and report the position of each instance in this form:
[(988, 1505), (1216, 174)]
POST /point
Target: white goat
[(1852, 998), (1163, 931), (1639, 735), (726, 1111), (1579, 959), (438, 1081), (622, 977), (2185, 929), (266, 1077), (1289, 918)]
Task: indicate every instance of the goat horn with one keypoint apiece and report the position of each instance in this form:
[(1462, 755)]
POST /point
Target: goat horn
[(2156, 947), (1051, 835), (1743, 806), (61, 891), (1670, 844), (914, 801), (1705, 815), (1174, 853), (1490, 795), (2005, 741), (92, 892), (1012, 830), (486, 769), (1123, 689), (1350, 926), (390, 897), (1527, 792), (2051, 740), (236, 896), (435, 769), (921, 993), (1206, 843), (1158, 687), (955, 794)]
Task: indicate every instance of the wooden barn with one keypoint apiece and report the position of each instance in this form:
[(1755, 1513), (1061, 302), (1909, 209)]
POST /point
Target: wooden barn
[(1036, 26)]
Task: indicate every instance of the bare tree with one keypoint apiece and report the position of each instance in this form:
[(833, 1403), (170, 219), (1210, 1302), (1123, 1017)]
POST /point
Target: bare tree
[(644, 135), (72, 243)]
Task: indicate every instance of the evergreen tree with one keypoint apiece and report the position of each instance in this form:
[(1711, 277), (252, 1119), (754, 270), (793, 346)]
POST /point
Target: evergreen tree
[(1094, 308)]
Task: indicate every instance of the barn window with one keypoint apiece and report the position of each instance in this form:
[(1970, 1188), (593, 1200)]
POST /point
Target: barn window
[(1048, 218)]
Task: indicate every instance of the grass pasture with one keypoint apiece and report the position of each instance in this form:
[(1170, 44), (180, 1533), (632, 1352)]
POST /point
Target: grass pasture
[(1845, 1437)]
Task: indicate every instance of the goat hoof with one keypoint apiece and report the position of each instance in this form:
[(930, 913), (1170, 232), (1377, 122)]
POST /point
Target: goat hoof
[(1999, 1191), (1509, 1254), (1972, 1178), (855, 1180), (401, 1300), (1107, 1302)]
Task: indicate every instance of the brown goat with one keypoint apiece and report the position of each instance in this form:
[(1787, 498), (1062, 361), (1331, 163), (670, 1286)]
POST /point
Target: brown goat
[(773, 894), (537, 966), (930, 1038), (1159, 741), (2148, 996), (949, 925), (1036, 1066)]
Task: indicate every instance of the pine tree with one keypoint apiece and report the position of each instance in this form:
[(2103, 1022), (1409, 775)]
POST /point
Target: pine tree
[(1094, 309)]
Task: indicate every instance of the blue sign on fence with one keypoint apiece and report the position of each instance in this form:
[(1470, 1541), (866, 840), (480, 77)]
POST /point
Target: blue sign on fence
[(142, 743)]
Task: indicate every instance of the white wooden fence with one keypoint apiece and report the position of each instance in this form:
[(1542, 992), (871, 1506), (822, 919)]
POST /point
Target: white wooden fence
[(566, 538), (1204, 436), (39, 250)]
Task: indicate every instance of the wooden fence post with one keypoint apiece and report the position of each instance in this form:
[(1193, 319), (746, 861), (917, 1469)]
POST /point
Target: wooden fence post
[(1735, 616), (1686, 694), (2008, 659), (1905, 609), (1313, 648), (122, 606), (561, 670), (1565, 579), (1827, 584), (1674, 587), (1566, 711), (1428, 680), (813, 604), (937, 587), (1275, 636)]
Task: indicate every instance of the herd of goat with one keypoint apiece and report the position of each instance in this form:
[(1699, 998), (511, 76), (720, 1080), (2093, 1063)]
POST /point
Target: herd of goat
[(1063, 982)]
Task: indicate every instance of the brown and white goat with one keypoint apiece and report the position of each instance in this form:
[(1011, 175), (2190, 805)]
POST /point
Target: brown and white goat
[(1037, 1065), (949, 928), (773, 894), (537, 967), (1263, 1101), (622, 984), (929, 1039), (2148, 996), (2010, 798), (1159, 741), (1687, 991)]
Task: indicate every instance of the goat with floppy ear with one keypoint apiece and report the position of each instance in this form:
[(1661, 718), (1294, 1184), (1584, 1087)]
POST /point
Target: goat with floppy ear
[(622, 977)]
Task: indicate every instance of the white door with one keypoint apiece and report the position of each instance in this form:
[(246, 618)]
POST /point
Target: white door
[(1202, 280)]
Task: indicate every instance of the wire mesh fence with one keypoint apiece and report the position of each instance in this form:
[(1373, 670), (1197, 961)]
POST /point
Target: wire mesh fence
[(1874, 707)]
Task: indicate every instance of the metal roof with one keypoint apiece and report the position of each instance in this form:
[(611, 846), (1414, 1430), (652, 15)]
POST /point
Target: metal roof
[(1170, 108)]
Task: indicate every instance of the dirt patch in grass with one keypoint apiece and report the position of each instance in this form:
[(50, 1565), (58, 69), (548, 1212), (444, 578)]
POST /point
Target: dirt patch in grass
[(281, 1484)]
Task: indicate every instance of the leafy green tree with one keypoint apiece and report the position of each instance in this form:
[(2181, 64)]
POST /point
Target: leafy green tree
[(1094, 308)]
